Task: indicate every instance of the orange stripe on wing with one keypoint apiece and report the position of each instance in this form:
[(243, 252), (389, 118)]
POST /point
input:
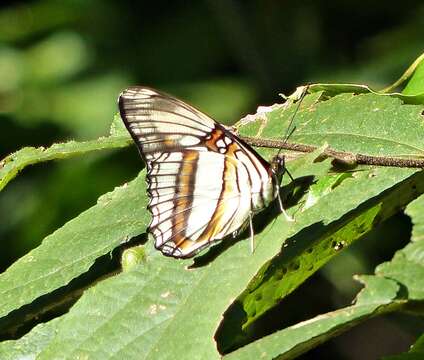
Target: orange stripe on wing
[(219, 220), (222, 216), (185, 189)]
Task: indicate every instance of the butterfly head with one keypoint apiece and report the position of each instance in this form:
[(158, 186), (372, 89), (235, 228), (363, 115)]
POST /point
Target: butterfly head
[(278, 166)]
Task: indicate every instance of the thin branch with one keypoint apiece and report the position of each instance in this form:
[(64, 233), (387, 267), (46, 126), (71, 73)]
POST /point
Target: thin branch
[(343, 156)]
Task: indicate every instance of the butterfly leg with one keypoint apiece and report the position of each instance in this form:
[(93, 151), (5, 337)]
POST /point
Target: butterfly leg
[(252, 237), (280, 202), (287, 216)]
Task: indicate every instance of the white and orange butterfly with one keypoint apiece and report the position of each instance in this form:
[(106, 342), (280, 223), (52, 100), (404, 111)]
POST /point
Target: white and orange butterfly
[(204, 182)]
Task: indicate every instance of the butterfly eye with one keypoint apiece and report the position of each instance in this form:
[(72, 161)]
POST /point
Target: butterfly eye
[(278, 164)]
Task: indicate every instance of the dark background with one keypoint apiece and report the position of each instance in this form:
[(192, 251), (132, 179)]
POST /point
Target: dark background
[(63, 64)]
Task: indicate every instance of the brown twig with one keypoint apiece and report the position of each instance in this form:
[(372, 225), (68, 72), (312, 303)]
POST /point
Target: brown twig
[(343, 156)]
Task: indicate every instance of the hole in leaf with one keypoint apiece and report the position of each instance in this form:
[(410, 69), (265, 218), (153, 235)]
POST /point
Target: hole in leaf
[(339, 245), (279, 276), (361, 229), (295, 266), (311, 267)]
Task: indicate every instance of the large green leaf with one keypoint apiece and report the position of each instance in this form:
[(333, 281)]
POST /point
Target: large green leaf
[(73, 248), (177, 310), (397, 284), (416, 212), (366, 123), (407, 266), (362, 123), (323, 236), (169, 290), (377, 297)]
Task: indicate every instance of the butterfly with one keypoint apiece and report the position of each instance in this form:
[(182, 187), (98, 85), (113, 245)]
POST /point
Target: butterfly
[(204, 182)]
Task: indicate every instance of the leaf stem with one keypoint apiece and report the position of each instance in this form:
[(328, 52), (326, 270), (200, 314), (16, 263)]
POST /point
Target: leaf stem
[(343, 156), (405, 76)]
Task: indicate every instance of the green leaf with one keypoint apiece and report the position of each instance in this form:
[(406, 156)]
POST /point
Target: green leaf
[(130, 297), (367, 123), (30, 345), (331, 90), (72, 249), (117, 127), (156, 300), (377, 297), (415, 86), (323, 234), (128, 316), (159, 309), (323, 187), (364, 123), (396, 283), (416, 212), (412, 94), (12, 164), (407, 266)]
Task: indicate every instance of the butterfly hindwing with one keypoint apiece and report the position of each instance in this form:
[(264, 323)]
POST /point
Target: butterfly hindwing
[(195, 210), (200, 177)]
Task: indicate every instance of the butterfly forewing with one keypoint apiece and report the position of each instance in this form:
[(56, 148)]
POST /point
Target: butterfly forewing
[(203, 182), (160, 123)]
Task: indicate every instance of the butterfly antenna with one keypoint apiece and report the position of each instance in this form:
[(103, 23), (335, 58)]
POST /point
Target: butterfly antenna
[(297, 96)]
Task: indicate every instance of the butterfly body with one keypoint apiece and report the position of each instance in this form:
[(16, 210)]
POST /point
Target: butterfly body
[(204, 183)]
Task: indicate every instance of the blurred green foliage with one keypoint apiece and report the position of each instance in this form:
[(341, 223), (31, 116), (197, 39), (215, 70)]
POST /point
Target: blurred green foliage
[(63, 64)]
